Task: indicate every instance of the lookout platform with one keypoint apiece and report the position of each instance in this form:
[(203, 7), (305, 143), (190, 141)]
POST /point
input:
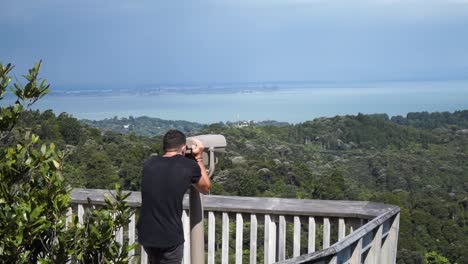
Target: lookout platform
[(276, 230)]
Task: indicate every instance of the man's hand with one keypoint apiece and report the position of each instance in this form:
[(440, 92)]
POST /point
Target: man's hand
[(197, 149), (204, 183)]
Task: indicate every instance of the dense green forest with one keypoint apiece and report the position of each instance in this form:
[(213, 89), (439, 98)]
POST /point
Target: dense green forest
[(418, 162)]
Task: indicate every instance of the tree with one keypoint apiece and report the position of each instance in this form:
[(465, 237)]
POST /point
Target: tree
[(69, 128), (34, 197), (331, 187)]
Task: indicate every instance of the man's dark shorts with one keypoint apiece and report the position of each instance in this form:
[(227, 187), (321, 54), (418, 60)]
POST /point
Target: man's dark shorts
[(170, 255)]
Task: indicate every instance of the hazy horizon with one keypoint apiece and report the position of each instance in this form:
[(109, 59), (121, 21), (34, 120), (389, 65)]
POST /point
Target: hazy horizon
[(217, 85)]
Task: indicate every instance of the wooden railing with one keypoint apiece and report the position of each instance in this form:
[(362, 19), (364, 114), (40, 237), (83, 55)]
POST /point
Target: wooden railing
[(273, 230)]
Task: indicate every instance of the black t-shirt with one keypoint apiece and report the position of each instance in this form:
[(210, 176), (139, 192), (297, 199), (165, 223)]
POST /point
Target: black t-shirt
[(165, 181)]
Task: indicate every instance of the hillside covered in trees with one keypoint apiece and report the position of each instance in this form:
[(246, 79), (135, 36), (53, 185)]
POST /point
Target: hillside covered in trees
[(418, 162), (145, 126)]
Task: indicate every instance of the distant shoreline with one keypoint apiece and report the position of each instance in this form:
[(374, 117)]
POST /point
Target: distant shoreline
[(293, 105), (241, 88)]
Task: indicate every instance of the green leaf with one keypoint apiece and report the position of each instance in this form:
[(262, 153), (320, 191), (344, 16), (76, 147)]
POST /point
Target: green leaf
[(56, 164), (43, 149), (19, 236), (36, 212)]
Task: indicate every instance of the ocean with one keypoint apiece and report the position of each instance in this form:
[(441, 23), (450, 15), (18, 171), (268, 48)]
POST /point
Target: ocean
[(291, 104)]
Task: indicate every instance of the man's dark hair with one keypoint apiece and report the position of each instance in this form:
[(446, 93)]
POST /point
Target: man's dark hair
[(173, 139)]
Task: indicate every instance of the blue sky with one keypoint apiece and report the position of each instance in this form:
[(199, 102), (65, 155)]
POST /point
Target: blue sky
[(102, 43)]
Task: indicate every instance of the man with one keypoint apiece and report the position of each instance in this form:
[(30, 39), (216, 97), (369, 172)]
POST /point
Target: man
[(165, 181)]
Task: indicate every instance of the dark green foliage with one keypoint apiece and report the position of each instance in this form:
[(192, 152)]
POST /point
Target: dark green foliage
[(33, 203), (331, 187), (95, 240)]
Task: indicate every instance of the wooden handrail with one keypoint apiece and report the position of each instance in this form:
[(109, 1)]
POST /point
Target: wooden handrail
[(260, 205)]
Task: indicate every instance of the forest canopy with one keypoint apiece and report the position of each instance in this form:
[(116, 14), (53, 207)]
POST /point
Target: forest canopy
[(418, 162)]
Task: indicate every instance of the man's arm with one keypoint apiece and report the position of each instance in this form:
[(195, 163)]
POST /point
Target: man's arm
[(204, 184)]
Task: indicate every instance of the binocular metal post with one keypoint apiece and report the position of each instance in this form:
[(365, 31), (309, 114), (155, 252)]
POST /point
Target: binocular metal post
[(197, 235)]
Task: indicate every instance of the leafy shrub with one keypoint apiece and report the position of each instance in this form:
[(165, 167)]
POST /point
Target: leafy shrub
[(34, 198)]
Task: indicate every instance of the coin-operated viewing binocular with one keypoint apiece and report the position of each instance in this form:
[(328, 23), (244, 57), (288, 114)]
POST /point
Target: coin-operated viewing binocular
[(211, 144)]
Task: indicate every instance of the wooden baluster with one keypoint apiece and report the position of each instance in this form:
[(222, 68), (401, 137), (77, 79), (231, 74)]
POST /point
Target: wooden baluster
[(69, 217), (374, 252), (333, 260), (389, 248), (131, 236), (144, 256), (80, 213), (68, 220), (253, 239), (341, 229), (282, 238), (357, 253), (266, 244), (311, 246), (270, 240), (239, 237), (225, 239), (326, 232), (119, 237), (186, 225), (211, 237), (118, 234), (297, 237), (274, 237)]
